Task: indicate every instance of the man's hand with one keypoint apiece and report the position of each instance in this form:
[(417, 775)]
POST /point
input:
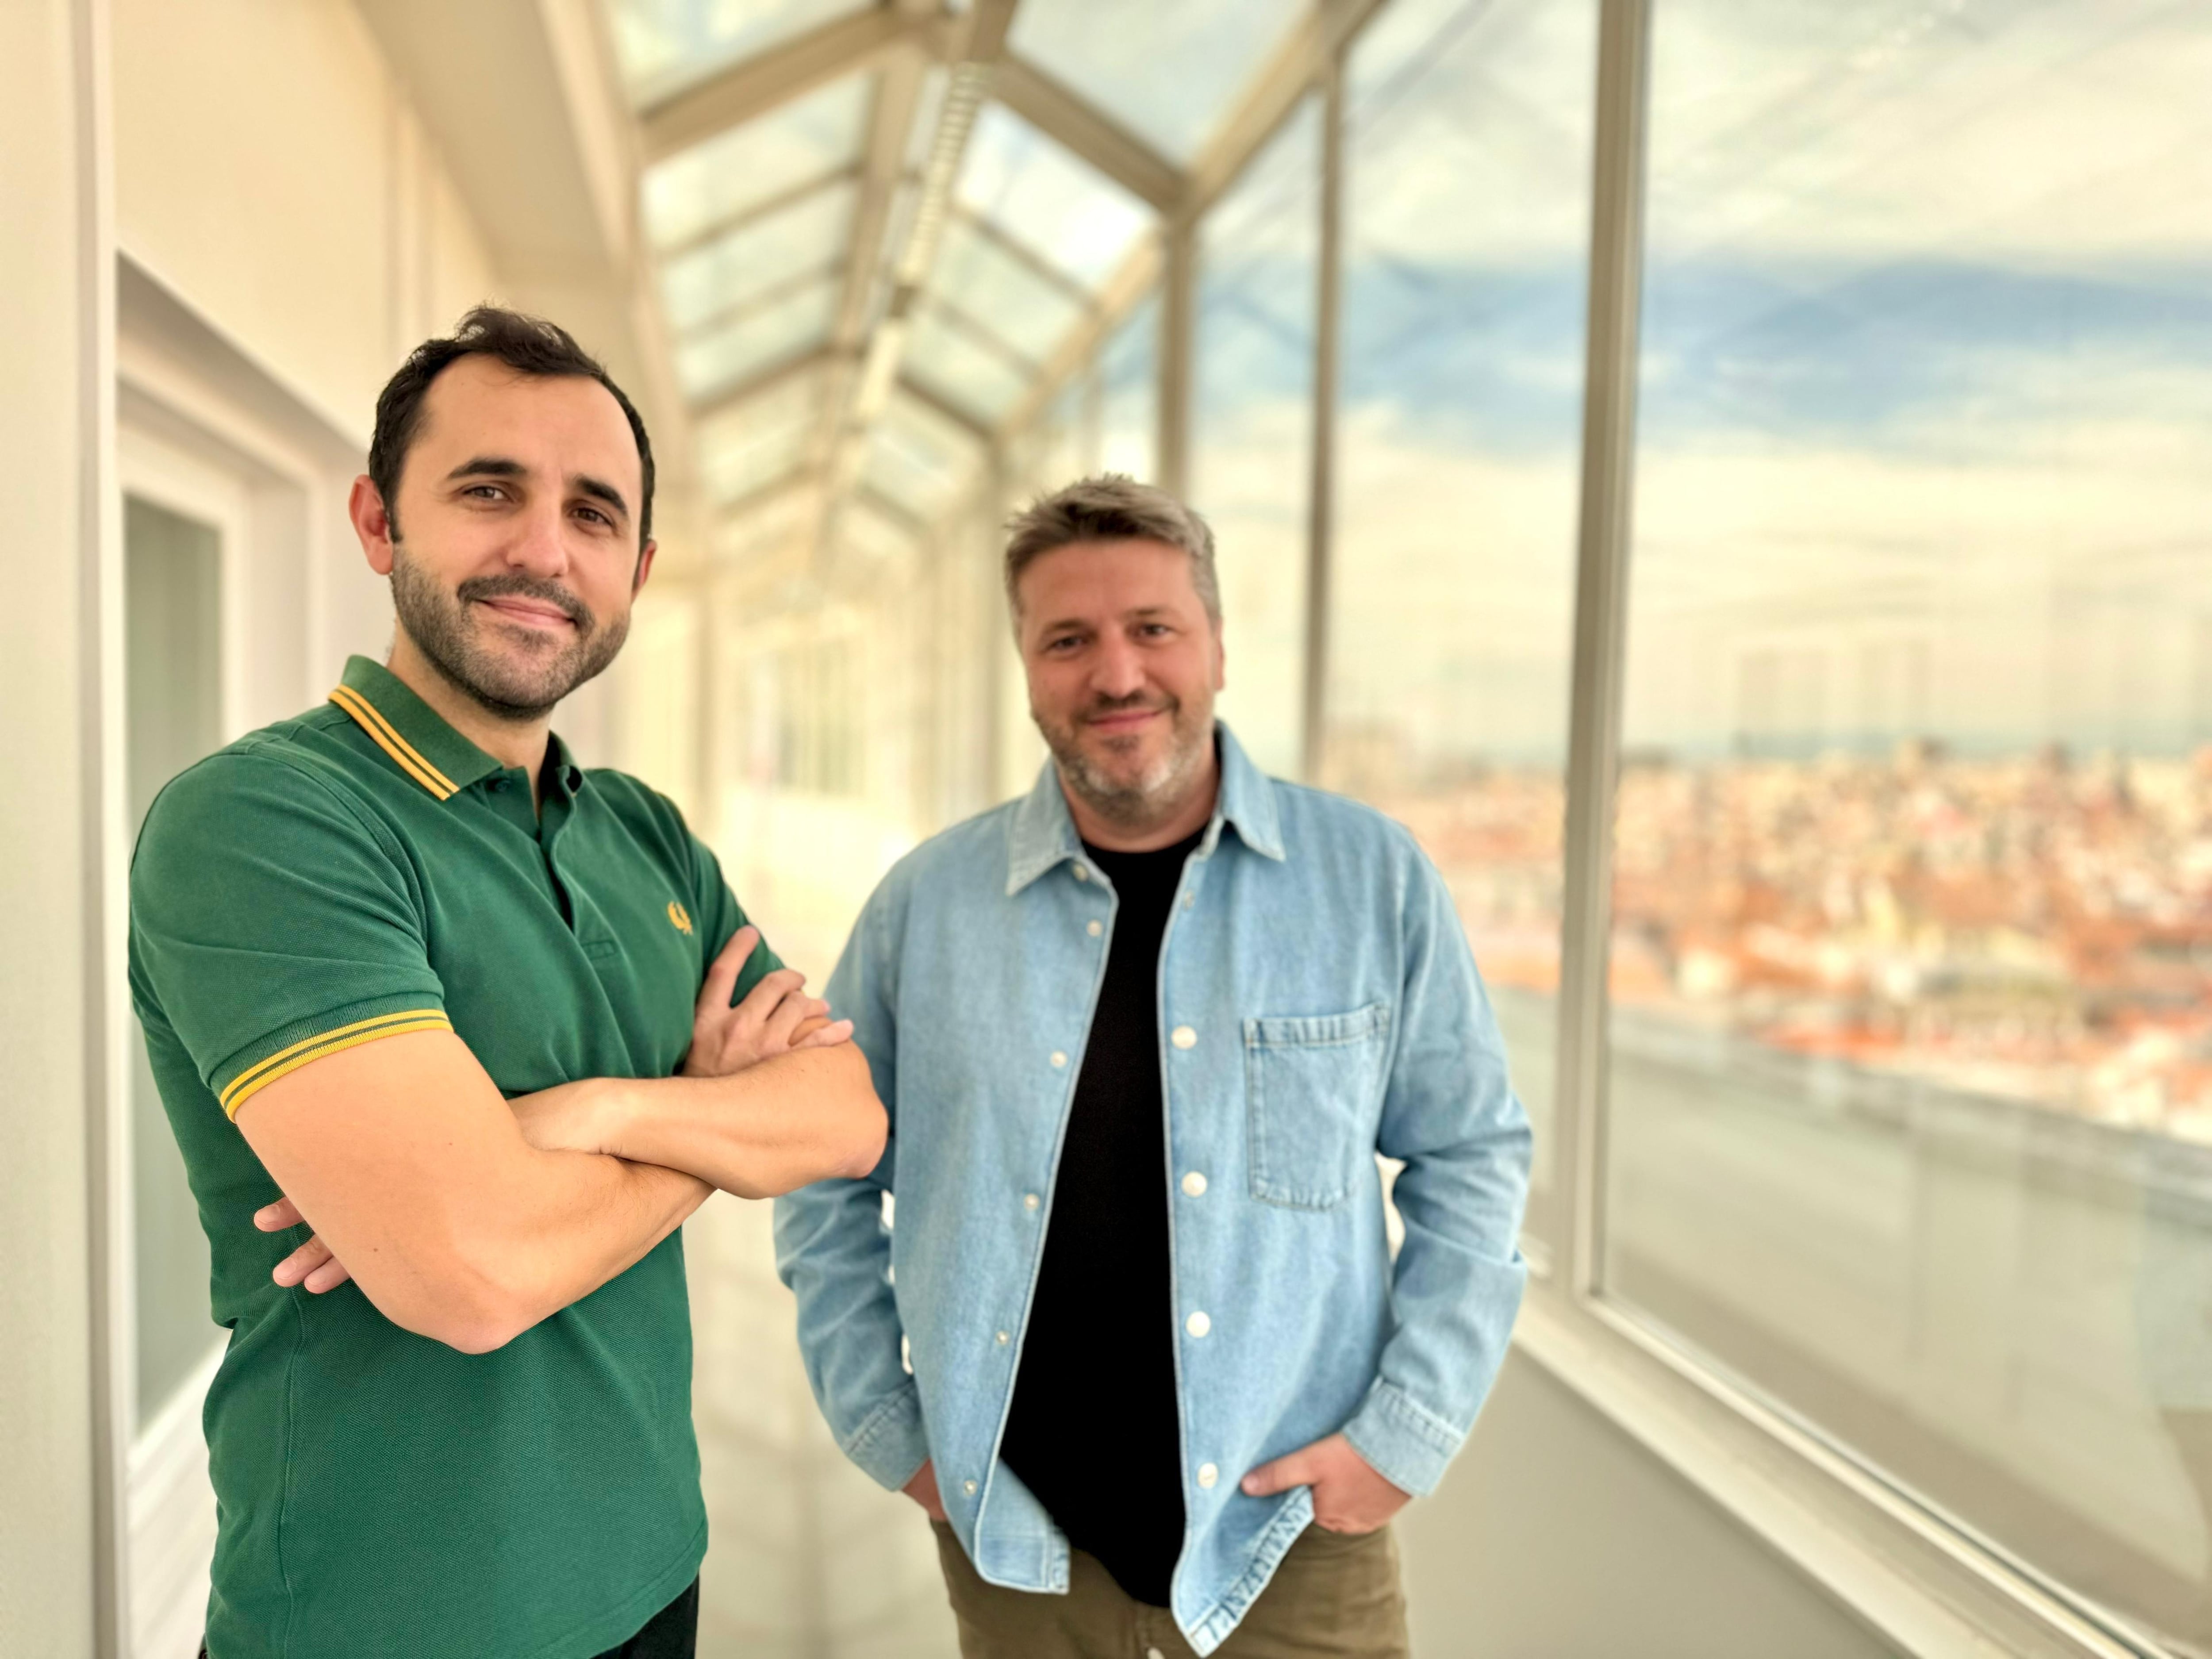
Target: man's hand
[(311, 1264), (1348, 1496), (772, 1020), (923, 1489)]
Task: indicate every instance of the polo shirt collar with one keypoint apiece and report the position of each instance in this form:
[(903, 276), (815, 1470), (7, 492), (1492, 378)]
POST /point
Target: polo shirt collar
[(1043, 832), (413, 734)]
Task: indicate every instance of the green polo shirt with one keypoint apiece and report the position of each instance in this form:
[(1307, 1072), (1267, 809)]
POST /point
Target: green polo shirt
[(358, 872)]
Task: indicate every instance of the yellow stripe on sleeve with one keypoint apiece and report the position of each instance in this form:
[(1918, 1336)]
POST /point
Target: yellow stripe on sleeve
[(387, 736), (258, 1077)]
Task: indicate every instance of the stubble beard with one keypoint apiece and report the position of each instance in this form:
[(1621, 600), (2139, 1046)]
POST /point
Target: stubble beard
[(1154, 795), (509, 685)]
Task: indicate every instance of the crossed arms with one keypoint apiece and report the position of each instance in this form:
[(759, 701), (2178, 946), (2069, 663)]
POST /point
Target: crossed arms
[(467, 1217)]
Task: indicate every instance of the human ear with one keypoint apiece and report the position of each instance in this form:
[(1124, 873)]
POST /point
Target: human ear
[(372, 524)]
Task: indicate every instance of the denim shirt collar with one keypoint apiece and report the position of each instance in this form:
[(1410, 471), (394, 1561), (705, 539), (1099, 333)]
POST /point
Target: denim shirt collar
[(1041, 833)]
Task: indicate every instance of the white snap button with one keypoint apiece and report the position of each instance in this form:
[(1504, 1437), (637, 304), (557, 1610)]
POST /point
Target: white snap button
[(1004, 1338), (1154, 1653), (1189, 899), (1082, 874), (1198, 1324), (1193, 1185), (1183, 1037), (1207, 1474), (1057, 1058), (968, 1486), (1095, 929), (1031, 1200), (890, 1275)]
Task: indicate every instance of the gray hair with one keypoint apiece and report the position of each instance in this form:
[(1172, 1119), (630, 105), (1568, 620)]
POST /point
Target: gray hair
[(1111, 506)]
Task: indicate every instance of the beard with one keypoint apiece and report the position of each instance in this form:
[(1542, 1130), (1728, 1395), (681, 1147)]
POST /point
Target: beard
[(520, 677), (1152, 795)]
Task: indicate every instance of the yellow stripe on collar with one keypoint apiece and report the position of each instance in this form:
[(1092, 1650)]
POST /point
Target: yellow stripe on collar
[(387, 736)]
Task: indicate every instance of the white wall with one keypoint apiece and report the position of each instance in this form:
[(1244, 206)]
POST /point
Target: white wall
[(45, 1420), (1557, 1536), (269, 170)]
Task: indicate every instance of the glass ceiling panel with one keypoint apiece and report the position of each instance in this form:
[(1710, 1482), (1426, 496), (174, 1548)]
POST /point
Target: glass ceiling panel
[(873, 532), (962, 370), (761, 439), (1168, 69), (985, 280), (666, 46), (764, 528), (919, 459), (777, 455), (1073, 215), (719, 358), (735, 172), (703, 285)]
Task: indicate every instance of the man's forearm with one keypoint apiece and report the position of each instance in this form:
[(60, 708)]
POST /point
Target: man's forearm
[(618, 1212), (799, 1117)]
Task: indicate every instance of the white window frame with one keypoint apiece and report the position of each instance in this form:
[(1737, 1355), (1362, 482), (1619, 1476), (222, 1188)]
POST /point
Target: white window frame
[(202, 430)]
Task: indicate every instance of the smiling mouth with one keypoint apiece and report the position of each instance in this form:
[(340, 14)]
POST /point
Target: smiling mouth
[(1121, 720), (528, 613)]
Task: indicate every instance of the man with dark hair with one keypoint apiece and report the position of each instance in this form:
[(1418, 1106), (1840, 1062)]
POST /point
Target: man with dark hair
[(1142, 1034), (494, 1024)]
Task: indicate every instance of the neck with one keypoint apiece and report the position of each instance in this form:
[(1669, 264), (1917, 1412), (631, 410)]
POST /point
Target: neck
[(1186, 817), (512, 743)]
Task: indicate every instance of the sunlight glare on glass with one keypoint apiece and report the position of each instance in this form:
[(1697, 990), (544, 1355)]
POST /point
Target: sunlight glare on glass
[(1169, 69), (666, 46), (1035, 192), (735, 172)]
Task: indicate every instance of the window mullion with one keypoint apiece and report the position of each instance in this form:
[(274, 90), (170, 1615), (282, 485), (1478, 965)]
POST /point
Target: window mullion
[(1600, 611)]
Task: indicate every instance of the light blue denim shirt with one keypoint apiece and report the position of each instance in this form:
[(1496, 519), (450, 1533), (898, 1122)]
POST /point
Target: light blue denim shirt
[(1317, 1005)]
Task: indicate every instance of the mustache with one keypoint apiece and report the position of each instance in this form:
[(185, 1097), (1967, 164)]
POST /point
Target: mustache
[(515, 585), (1100, 706)]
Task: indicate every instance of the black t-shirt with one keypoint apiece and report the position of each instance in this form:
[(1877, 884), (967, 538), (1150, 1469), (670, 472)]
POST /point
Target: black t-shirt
[(1094, 1430)]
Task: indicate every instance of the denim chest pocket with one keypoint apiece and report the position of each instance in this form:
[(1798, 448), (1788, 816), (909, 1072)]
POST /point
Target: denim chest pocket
[(1310, 1084)]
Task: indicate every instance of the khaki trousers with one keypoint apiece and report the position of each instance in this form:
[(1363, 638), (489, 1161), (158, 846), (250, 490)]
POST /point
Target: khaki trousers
[(1333, 1597)]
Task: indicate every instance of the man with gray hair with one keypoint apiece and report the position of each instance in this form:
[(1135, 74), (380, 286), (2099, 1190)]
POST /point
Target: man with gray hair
[(1138, 1341)]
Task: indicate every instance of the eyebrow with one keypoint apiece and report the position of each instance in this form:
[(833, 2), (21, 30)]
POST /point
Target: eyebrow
[(599, 490), (487, 466), (502, 466), (1141, 613)]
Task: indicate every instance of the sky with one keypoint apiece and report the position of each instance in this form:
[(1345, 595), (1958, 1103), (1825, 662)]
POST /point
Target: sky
[(1927, 369)]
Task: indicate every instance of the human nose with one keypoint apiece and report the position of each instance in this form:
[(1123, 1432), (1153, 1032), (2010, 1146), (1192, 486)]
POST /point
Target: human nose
[(1117, 669), (539, 547)]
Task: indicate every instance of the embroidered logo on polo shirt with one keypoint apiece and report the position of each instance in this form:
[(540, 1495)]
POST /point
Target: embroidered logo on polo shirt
[(678, 917)]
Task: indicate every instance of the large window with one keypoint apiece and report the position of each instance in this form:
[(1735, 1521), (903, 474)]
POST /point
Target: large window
[(1467, 139), (1251, 454), (1911, 1085)]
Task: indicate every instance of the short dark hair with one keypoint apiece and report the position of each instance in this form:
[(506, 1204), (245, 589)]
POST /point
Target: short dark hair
[(1112, 507), (527, 345)]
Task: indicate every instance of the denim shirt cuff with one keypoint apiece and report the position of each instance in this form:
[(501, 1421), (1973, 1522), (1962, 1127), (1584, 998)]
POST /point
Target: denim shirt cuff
[(1408, 1447), (891, 1445)]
